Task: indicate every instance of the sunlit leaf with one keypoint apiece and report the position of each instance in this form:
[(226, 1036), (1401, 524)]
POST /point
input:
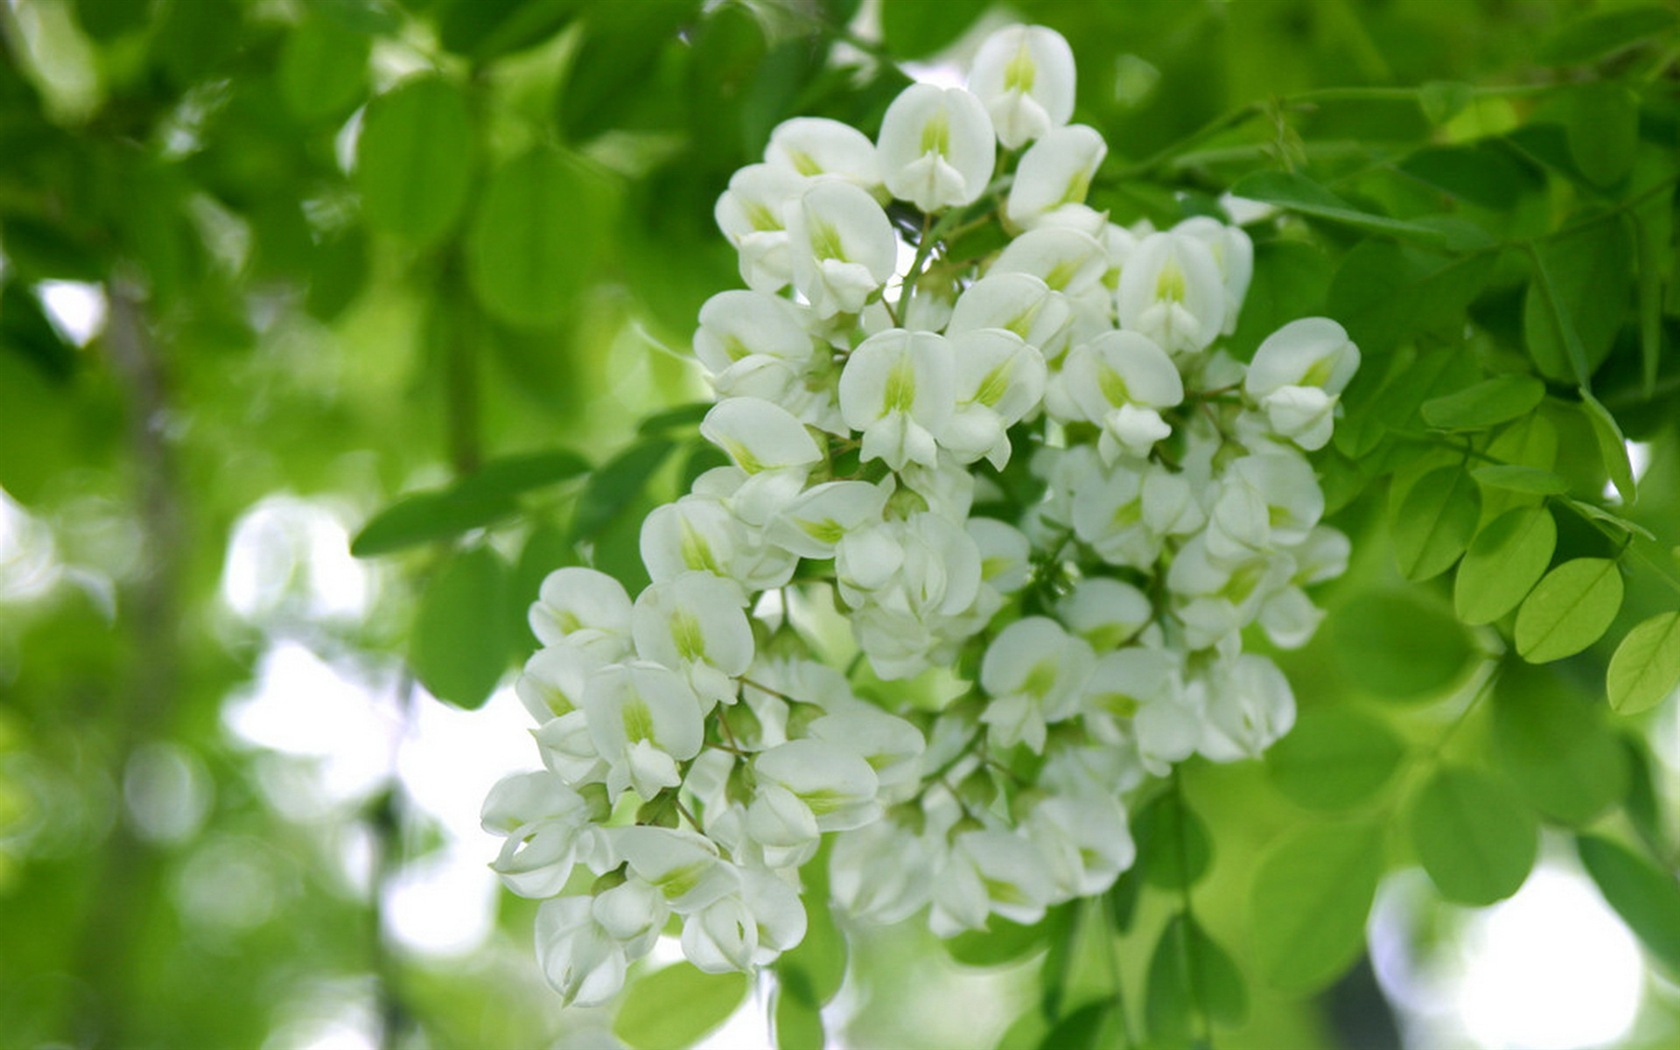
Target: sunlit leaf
[(1646, 897), (1435, 522), (1473, 835), (1514, 478), (1308, 903), (1612, 446), (677, 1006), (460, 645), (1645, 669), (1487, 404), (414, 159), (1555, 747), (1192, 982), (1569, 609), (1396, 646), (1504, 562), (1173, 845)]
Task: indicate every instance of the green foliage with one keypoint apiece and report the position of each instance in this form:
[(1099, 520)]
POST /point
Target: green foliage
[(1336, 758), (1397, 646), (461, 639), (677, 1006), (1474, 837), (1308, 902), (1646, 666), (414, 159), (1569, 609), (1192, 984), (1646, 897), (1506, 559)]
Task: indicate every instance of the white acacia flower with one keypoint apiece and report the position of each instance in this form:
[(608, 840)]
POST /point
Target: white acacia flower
[(1019, 303), (759, 435), (1025, 76), (890, 746), (841, 246), (936, 147), (1064, 258), (1266, 500), (1034, 672), (634, 913), (694, 534), (543, 822), (738, 325), (582, 960), (568, 749), (1142, 689), (1109, 512), (553, 679), (584, 608), (816, 147), (999, 380), (1084, 840), (882, 893), (821, 516), (751, 214), (1171, 290), (835, 784), (643, 719), (722, 936), (1297, 376), (683, 865), (1105, 612), (1250, 705), (1054, 172), (1017, 883), (1233, 253), (1120, 381), (693, 624), (1005, 554), (899, 389)]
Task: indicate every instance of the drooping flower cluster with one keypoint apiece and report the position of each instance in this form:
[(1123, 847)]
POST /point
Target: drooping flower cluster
[(1035, 470)]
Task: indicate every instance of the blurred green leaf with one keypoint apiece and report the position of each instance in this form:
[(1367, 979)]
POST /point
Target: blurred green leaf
[(1514, 478), (798, 1023), (616, 484), (1555, 747), (918, 28), (1308, 902), (1592, 36), (1646, 897), (460, 645), (1584, 278), (1297, 193), (1336, 758), (323, 69), (1174, 848), (414, 159), (1190, 977), (1569, 609), (1504, 562), (1395, 646), (1645, 669), (1603, 130), (536, 238), (1083, 1029), (1475, 838), (1612, 446), (676, 1006)]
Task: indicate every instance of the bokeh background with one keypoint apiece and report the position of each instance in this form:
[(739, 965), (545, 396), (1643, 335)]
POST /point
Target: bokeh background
[(267, 266)]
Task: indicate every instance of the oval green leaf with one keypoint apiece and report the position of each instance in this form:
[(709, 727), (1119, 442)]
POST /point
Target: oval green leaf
[(1434, 523), (799, 1023), (677, 1006), (1569, 609), (1612, 446), (619, 481), (1504, 562), (1602, 127), (916, 28), (536, 238), (1190, 976), (1514, 478), (1396, 646), (1173, 845), (414, 159), (1308, 903), (1474, 837), (1646, 897), (1488, 403), (1335, 758), (323, 69), (1555, 745), (461, 640), (1646, 667)]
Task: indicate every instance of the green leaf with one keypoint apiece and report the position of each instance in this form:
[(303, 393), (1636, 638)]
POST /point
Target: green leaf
[(1569, 609), (799, 1023), (1291, 279), (377, 17), (1442, 100), (323, 69), (1646, 897), (1583, 279), (618, 63), (1398, 647), (1514, 478), (1645, 670), (536, 238), (1173, 845), (1504, 562), (1473, 836), (1002, 942), (1190, 977), (1308, 903), (428, 517), (460, 644), (1555, 747), (1297, 193), (1488, 403), (1435, 522), (1645, 809), (1335, 758), (1081, 1030), (616, 484), (678, 418), (677, 1006), (1593, 36), (511, 475), (1650, 223), (1602, 126), (1384, 293), (1612, 447), (918, 28), (414, 159)]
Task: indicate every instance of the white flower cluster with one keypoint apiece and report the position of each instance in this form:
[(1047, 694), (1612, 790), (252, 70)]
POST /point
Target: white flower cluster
[(696, 745)]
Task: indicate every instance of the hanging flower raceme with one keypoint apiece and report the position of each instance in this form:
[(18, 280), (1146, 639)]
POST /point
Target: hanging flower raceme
[(1053, 512)]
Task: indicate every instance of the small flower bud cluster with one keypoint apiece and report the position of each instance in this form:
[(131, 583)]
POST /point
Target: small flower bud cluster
[(874, 387)]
